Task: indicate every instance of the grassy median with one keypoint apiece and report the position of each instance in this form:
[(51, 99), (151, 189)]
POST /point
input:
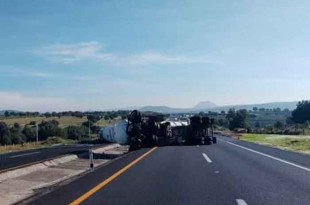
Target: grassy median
[(296, 143)]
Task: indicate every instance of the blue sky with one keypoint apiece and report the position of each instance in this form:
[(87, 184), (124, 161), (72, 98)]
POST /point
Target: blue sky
[(81, 55)]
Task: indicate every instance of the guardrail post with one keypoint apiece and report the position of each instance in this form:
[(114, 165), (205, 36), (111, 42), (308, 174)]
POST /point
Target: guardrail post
[(91, 160)]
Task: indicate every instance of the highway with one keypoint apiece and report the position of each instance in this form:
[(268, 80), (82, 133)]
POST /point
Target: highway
[(230, 172), (17, 159)]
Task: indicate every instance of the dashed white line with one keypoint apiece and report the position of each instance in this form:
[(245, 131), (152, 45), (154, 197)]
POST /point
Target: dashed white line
[(206, 158), (241, 202), (269, 156), (22, 155)]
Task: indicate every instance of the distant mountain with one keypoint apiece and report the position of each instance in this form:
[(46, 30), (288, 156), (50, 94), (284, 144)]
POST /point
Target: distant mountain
[(205, 105), (209, 106), (163, 109), (281, 105)]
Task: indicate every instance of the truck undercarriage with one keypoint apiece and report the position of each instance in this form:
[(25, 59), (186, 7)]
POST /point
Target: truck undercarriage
[(148, 131)]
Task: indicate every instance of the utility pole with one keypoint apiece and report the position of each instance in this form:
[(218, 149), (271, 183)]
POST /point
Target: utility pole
[(88, 129), (37, 133)]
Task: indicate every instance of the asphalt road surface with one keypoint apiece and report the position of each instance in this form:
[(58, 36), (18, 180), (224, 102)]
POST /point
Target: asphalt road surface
[(16, 159), (230, 172)]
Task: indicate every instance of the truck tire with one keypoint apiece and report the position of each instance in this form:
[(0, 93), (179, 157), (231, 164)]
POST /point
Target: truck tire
[(208, 141), (155, 140)]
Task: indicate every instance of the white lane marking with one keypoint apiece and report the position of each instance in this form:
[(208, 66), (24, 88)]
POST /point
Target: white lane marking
[(241, 202), (22, 155), (269, 156), (207, 158)]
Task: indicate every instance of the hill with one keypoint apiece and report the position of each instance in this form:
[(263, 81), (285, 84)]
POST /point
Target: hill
[(273, 105), (209, 106), (204, 105)]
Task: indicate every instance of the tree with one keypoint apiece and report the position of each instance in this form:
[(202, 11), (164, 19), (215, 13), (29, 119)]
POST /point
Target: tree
[(278, 125), (30, 133), (76, 132), (237, 119), (16, 134), (257, 125), (7, 113), (302, 113), (5, 138), (50, 129), (93, 118)]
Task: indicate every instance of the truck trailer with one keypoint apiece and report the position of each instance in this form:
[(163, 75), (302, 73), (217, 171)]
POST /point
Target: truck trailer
[(140, 131)]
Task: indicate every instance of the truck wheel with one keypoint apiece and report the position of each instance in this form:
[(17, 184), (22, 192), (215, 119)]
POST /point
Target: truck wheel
[(155, 140), (208, 141)]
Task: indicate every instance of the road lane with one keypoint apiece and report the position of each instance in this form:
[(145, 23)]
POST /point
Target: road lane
[(258, 179), (23, 155), (17, 159), (182, 175), (70, 192), (270, 156), (170, 175)]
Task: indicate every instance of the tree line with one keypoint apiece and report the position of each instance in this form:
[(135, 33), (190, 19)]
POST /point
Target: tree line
[(294, 122), (107, 115), (17, 134)]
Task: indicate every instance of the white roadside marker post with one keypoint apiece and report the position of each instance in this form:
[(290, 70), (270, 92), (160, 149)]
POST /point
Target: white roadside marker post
[(91, 160)]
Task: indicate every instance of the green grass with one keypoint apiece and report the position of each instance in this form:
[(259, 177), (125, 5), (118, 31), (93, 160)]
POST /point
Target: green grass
[(296, 143)]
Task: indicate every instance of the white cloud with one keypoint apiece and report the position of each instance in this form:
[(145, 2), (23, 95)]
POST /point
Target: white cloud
[(149, 58), (93, 51), (26, 72), (18, 101), (69, 53)]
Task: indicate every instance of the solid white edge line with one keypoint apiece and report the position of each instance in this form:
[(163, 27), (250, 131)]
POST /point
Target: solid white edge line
[(26, 154), (269, 156), (241, 202), (206, 158)]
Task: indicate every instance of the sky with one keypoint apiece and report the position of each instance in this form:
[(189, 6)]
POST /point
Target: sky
[(60, 55)]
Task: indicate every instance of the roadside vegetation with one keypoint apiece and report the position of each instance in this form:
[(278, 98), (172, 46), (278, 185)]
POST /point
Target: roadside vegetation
[(283, 129), (19, 131), (287, 142)]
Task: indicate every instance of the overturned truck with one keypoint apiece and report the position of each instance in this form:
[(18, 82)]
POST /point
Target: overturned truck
[(152, 130)]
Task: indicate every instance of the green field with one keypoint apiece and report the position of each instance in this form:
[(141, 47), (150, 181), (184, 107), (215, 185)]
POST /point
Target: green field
[(296, 143)]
